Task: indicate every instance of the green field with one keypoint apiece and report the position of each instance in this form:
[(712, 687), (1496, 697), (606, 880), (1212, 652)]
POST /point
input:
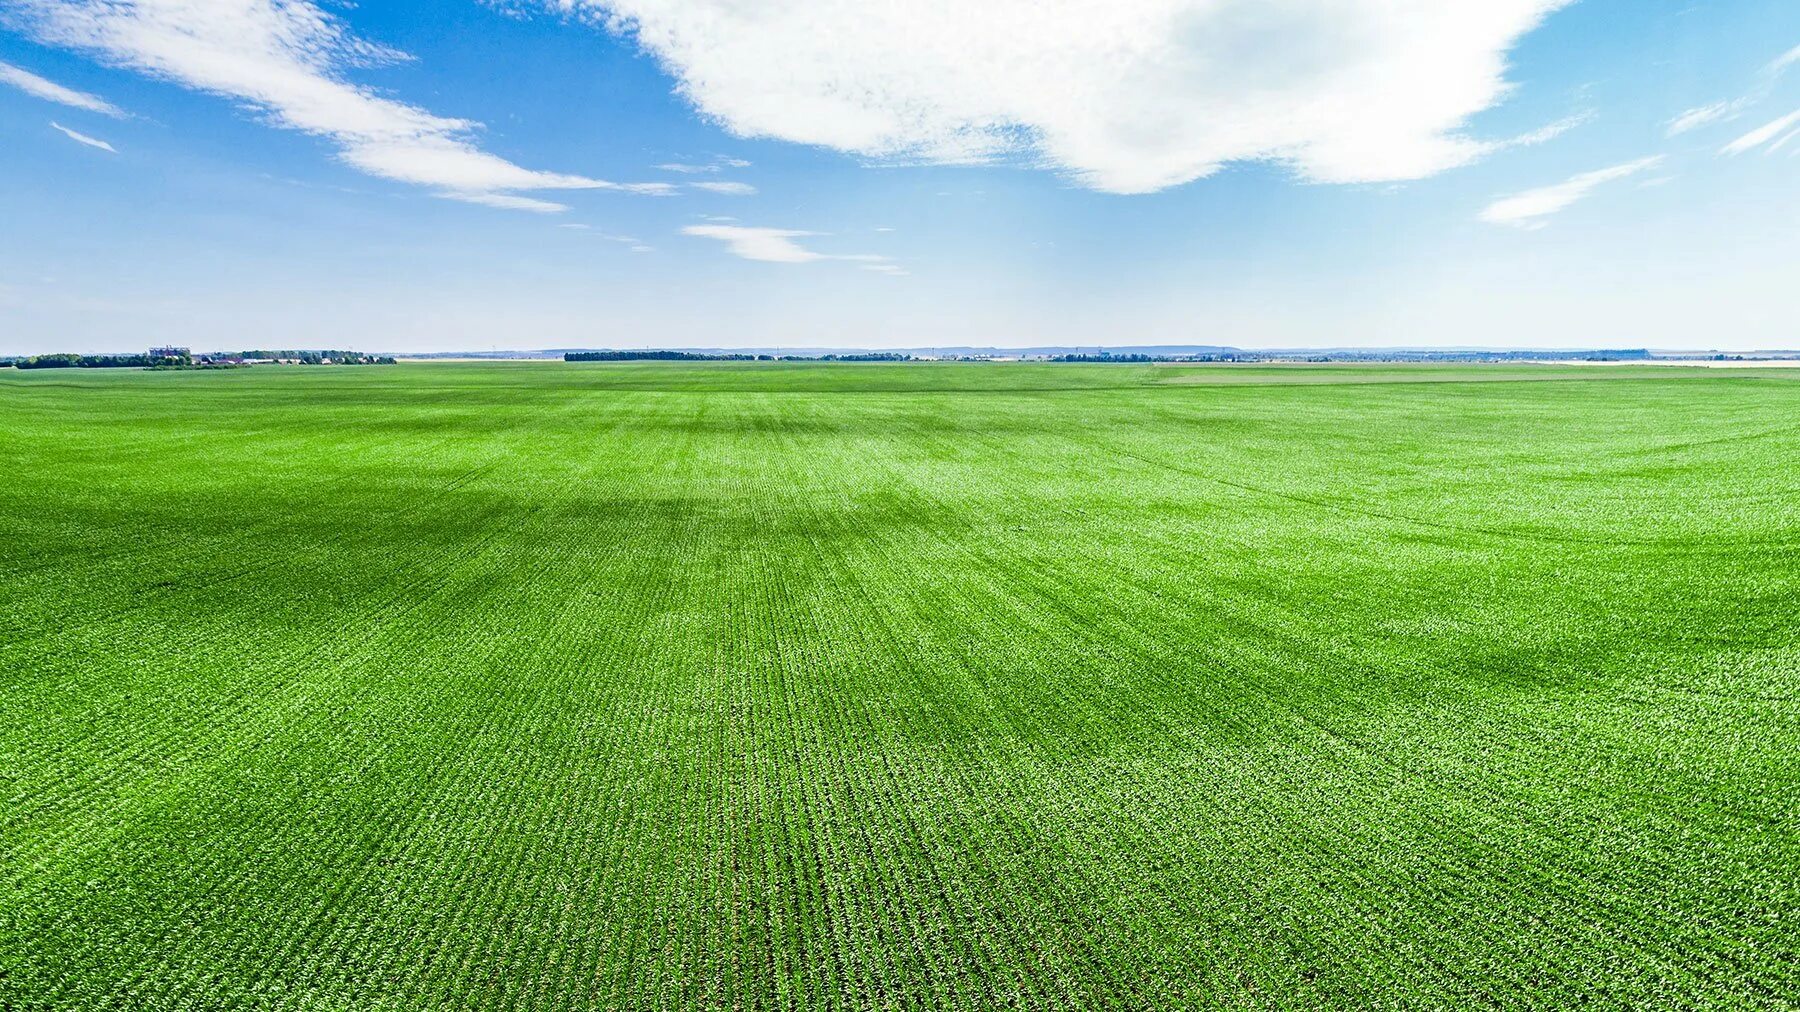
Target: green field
[(920, 686)]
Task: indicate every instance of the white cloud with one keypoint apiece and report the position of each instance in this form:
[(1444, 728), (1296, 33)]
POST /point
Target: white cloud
[(32, 84), (773, 245), (632, 241), (699, 168), (1550, 131), (1761, 135), (289, 58), (1127, 96), (1783, 62), (1717, 112), (1725, 112), (729, 189), (505, 201), (1529, 208), (81, 138)]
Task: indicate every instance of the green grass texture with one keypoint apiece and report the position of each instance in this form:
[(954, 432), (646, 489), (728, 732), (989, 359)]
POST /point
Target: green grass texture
[(917, 686)]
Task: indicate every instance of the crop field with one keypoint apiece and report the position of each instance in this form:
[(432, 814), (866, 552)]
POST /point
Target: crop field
[(911, 686)]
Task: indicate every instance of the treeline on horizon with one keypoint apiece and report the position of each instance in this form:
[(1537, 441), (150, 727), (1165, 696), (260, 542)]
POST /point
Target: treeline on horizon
[(67, 360), (184, 360), (648, 355), (326, 357)]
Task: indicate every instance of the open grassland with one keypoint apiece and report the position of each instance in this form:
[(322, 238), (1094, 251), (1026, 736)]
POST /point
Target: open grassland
[(905, 686)]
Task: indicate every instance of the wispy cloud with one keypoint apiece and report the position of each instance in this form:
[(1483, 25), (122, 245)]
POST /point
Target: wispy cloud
[(290, 59), (1125, 97), (505, 201), (729, 189), (636, 244), (770, 245), (1725, 112), (50, 91), (1549, 131), (1783, 141), (719, 164), (1530, 208), (1695, 118), (774, 245), (1783, 62), (1761, 135), (81, 138)]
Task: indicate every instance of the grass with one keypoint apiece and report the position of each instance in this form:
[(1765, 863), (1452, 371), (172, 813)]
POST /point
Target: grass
[(902, 686)]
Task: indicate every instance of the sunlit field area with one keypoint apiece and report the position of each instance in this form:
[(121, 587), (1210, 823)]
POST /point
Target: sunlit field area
[(909, 686)]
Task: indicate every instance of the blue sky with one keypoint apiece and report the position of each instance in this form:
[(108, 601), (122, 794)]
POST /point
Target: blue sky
[(553, 173)]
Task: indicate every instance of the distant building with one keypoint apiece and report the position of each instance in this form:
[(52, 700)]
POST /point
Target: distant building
[(169, 352)]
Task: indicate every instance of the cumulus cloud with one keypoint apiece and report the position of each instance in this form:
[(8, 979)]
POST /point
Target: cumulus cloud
[(729, 189), (1529, 208), (81, 138), (1127, 96), (1762, 134), (290, 59), (773, 245), (50, 91)]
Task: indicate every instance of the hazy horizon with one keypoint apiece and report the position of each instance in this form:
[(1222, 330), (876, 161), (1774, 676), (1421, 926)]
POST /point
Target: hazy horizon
[(1529, 173)]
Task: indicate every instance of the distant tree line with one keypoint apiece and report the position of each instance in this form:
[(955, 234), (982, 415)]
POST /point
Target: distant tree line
[(1104, 357), (182, 359), (304, 357), (1351, 355), (726, 356), (67, 360), (661, 356)]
